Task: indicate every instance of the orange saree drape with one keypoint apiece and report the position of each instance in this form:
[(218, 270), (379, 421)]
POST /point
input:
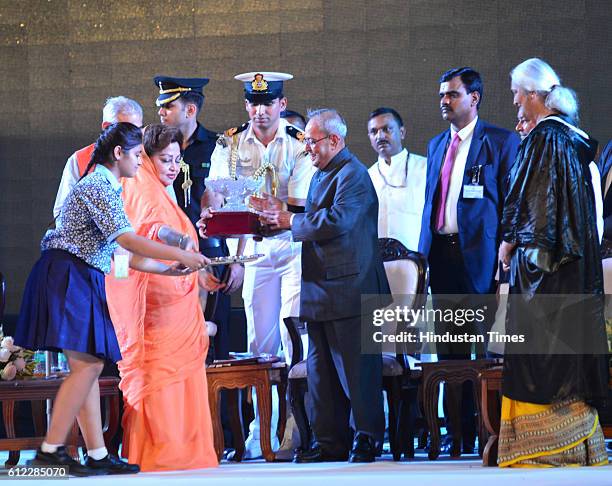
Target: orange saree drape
[(163, 340)]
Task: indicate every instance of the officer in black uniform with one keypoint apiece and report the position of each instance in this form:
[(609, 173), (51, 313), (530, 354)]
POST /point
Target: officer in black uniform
[(180, 101)]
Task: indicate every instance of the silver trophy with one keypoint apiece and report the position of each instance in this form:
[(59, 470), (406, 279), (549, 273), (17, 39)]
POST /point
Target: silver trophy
[(236, 191), (235, 218)]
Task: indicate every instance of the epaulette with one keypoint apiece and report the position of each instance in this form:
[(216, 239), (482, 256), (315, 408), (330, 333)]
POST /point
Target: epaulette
[(295, 133), (222, 138)]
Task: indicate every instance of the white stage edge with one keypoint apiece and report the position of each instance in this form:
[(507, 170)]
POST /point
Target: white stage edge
[(385, 472)]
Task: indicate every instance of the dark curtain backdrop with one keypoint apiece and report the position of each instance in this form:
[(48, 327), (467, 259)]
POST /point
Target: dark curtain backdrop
[(60, 59)]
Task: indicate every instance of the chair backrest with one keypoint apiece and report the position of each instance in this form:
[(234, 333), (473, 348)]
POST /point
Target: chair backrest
[(294, 328), (406, 269), (407, 275)]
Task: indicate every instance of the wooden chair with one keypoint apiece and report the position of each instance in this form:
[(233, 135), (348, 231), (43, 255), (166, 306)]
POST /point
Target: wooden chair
[(403, 266), (297, 385), (451, 371), (407, 275)]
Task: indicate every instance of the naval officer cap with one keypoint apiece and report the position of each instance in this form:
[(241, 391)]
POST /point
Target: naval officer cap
[(263, 86), (171, 88)]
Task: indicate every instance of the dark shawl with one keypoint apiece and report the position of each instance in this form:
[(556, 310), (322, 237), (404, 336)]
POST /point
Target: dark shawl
[(549, 212)]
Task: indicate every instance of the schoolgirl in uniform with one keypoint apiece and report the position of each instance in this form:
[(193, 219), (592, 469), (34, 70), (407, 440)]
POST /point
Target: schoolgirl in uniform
[(64, 304)]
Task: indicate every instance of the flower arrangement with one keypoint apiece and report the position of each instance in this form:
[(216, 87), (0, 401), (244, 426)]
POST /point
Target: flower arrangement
[(14, 360)]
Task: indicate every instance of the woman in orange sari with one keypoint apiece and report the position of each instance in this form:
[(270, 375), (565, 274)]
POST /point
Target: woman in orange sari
[(160, 327)]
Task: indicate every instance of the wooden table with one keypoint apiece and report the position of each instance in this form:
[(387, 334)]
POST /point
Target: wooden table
[(261, 376), (38, 390)]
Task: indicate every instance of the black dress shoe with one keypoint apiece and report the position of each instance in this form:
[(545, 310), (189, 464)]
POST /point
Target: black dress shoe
[(451, 447), (364, 449), (316, 454), (61, 458), (112, 465)]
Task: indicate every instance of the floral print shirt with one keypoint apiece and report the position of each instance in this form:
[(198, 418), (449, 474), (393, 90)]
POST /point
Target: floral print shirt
[(90, 221)]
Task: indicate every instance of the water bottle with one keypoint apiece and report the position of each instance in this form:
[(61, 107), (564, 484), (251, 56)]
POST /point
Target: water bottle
[(62, 363), (40, 361)]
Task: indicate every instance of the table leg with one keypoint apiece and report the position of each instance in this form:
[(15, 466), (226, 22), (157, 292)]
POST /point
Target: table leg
[(213, 401), (482, 434), (490, 418), (8, 414), (39, 417), (430, 404), (233, 410), (264, 406), (112, 420)]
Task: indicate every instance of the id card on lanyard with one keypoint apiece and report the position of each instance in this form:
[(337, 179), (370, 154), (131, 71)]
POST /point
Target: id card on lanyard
[(475, 189), (121, 259)]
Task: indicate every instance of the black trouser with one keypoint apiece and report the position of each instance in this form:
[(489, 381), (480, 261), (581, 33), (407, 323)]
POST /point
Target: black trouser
[(345, 386), (448, 277)]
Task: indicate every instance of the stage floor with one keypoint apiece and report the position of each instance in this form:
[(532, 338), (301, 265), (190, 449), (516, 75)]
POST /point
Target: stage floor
[(385, 472)]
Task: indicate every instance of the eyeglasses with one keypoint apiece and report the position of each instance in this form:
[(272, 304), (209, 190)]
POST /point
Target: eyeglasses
[(312, 142)]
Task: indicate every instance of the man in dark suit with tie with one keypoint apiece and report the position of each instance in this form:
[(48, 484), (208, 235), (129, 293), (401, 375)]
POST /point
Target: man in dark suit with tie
[(466, 170), (340, 264), (604, 164)]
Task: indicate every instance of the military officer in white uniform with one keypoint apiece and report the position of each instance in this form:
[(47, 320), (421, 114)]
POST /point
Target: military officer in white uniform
[(268, 147)]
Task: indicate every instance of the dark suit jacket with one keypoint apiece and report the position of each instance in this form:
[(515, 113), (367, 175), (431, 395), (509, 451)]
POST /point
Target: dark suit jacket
[(339, 231), (604, 164), (197, 156), (478, 219)]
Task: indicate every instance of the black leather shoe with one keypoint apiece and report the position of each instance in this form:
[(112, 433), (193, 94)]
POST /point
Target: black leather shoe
[(316, 454), (364, 449), (451, 447), (112, 464), (61, 458)]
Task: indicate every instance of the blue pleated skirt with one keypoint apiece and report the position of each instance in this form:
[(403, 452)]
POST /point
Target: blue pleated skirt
[(64, 308)]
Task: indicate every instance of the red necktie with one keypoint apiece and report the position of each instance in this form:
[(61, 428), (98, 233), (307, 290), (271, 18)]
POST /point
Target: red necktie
[(447, 170)]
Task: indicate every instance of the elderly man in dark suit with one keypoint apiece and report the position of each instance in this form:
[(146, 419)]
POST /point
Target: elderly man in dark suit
[(464, 194), (340, 264)]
